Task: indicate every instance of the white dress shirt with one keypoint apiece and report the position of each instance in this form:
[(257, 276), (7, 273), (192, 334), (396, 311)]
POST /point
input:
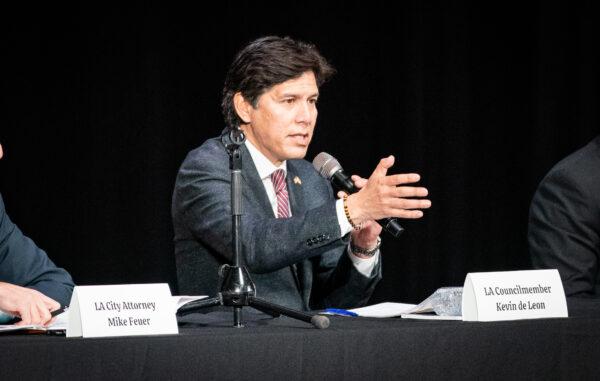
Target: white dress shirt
[(264, 167)]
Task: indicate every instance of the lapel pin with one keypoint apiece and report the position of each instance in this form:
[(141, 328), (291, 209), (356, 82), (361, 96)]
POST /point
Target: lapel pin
[(297, 180)]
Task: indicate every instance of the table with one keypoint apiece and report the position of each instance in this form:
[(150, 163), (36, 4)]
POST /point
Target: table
[(351, 348)]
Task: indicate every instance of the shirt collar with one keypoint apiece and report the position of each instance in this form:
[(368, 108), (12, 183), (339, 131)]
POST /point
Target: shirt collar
[(263, 165)]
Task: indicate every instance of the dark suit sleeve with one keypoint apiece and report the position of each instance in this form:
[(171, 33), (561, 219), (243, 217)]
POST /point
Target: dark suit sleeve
[(338, 283), (202, 200), (563, 231), (24, 264)]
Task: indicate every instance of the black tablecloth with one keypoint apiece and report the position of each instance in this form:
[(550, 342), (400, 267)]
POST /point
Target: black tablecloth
[(351, 348)]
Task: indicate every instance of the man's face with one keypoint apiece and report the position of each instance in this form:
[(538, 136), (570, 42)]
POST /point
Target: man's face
[(282, 124), (1, 153)]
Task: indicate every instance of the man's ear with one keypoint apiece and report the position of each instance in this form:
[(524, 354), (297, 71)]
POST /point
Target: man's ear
[(242, 107)]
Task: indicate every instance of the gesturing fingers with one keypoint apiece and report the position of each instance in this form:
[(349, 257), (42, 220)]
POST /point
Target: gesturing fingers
[(403, 178), (383, 166), (407, 203), (384, 196), (359, 182), (408, 214), (410, 192)]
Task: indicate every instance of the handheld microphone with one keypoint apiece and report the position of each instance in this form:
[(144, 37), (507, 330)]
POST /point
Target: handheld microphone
[(331, 169)]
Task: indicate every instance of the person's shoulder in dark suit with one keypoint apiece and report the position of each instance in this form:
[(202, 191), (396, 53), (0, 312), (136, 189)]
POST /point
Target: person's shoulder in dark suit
[(564, 221), (580, 169), (210, 155)]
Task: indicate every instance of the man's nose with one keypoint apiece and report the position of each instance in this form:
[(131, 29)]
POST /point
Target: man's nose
[(304, 113)]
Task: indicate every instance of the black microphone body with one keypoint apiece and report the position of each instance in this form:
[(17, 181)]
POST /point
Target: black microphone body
[(341, 181), (330, 168)]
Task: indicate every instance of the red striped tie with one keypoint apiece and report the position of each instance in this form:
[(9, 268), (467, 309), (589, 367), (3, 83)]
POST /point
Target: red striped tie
[(283, 203)]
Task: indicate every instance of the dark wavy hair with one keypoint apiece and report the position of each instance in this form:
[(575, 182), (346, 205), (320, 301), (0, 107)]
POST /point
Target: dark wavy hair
[(266, 62)]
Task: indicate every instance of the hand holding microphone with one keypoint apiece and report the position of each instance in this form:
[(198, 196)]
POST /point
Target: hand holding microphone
[(382, 198)]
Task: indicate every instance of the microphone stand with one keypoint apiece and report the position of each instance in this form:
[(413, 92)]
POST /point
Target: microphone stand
[(238, 289)]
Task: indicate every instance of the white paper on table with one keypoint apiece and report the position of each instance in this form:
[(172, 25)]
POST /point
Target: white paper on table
[(59, 324), (384, 310), (429, 317), (181, 300)]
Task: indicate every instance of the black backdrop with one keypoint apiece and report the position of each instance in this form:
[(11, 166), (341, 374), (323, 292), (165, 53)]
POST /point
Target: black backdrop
[(102, 104)]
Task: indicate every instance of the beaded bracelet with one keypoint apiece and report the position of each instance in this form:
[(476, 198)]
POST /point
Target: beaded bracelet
[(354, 226)]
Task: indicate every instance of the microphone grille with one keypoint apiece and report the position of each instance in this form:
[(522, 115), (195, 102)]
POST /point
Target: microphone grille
[(326, 165)]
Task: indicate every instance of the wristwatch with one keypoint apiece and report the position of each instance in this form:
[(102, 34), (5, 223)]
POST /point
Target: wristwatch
[(365, 252)]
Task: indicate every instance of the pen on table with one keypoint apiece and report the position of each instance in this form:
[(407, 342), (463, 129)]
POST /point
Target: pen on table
[(337, 311), (59, 311), (52, 313)]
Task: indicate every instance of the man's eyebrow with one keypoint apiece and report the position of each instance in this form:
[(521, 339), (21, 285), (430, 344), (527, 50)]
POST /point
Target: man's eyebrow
[(296, 95)]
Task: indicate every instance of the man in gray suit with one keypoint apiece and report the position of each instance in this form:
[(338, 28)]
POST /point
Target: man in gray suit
[(31, 286), (295, 234)]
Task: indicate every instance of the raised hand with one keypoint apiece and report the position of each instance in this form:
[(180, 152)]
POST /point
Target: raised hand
[(383, 195)]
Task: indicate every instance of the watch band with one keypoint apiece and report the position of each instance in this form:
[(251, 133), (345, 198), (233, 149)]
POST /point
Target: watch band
[(365, 252)]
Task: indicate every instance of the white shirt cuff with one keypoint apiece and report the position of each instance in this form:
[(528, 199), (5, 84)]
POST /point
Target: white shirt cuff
[(364, 266), (345, 226)]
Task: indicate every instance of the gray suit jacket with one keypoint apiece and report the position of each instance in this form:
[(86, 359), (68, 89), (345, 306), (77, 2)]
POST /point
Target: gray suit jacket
[(299, 262), (564, 221), (24, 264)]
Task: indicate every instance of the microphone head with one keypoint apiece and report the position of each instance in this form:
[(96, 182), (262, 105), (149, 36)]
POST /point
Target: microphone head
[(326, 165)]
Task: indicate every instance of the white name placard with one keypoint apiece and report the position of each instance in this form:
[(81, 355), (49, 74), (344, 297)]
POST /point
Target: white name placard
[(122, 310), (513, 295)]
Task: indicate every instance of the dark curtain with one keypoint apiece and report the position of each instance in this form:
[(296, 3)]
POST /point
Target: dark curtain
[(101, 105)]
